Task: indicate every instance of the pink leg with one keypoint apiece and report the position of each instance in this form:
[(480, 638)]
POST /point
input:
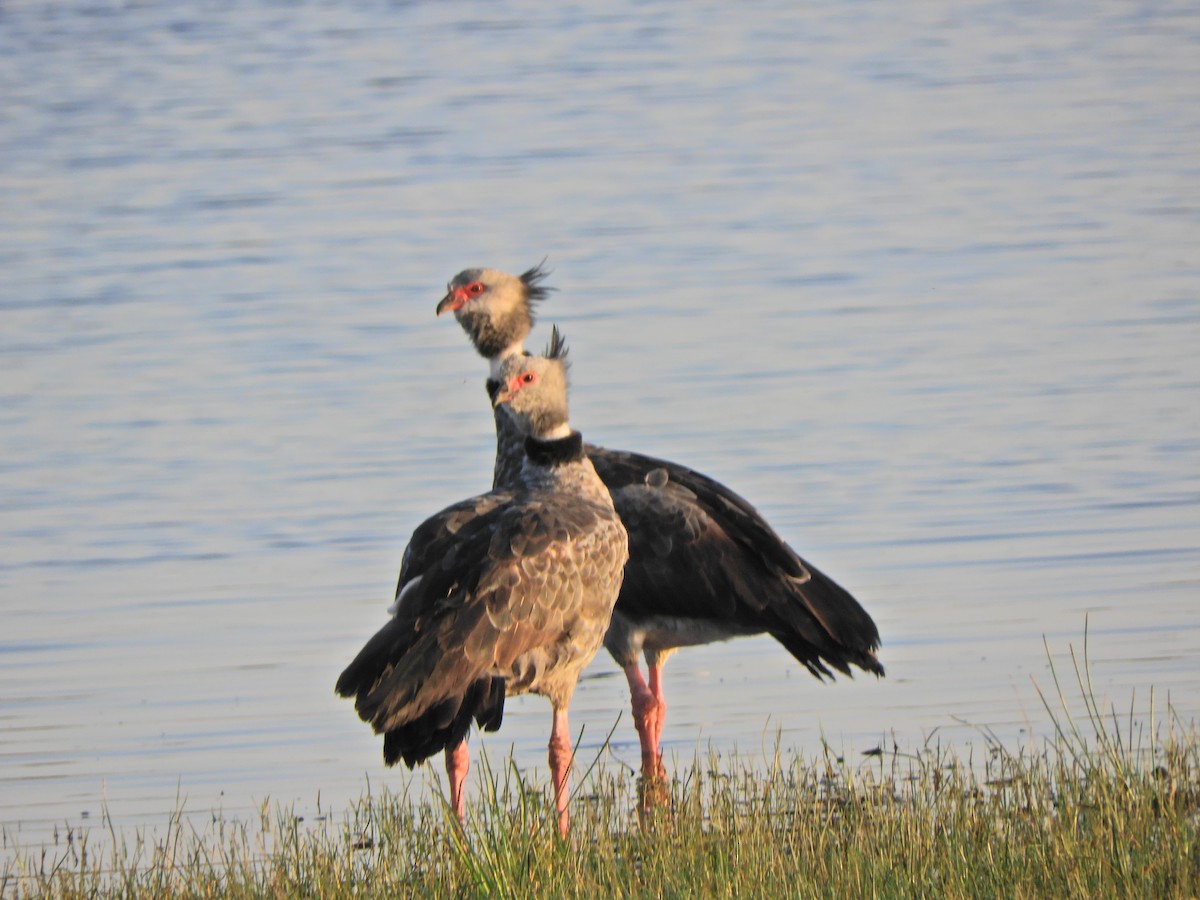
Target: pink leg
[(645, 713), (458, 760), (660, 716), (560, 764)]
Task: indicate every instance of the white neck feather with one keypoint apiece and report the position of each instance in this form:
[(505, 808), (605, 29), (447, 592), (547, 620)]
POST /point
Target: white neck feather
[(496, 362), (560, 431)]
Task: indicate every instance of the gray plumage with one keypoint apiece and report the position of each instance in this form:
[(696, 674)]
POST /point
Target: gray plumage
[(505, 593)]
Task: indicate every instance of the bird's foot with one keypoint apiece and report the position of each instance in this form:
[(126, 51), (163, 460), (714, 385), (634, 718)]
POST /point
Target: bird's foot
[(654, 796)]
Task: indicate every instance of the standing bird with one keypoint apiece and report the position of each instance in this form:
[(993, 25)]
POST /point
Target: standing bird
[(505, 593), (704, 565)]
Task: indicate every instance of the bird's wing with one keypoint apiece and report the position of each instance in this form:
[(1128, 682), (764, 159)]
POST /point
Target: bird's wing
[(740, 521), (436, 554), (699, 550), (683, 563), (509, 581), (439, 540)]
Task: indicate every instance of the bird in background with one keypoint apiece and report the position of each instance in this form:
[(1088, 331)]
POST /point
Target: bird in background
[(505, 593), (703, 566)]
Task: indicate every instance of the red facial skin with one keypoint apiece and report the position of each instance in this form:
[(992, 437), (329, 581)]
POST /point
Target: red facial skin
[(460, 296), (515, 384)]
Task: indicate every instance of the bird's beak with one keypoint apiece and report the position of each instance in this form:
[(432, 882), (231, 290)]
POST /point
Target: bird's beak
[(501, 392), (447, 303)]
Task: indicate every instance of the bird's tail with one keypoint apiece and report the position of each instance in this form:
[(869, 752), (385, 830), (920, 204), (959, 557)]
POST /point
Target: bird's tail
[(419, 706)]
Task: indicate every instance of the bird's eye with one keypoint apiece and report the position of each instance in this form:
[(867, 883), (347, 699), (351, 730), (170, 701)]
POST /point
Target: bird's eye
[(475, 288), (528, 378)]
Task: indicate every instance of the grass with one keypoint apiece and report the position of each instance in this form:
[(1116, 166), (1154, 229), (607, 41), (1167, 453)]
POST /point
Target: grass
[(1107, 807)]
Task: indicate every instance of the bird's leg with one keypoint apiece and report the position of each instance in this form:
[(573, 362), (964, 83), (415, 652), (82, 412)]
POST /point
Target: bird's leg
[(560, 764), (652, 793), (660, 712), (458, 760), (645, 711)]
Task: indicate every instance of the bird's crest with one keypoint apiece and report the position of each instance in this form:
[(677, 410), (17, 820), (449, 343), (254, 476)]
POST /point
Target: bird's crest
[(557, 348), (532, 279)]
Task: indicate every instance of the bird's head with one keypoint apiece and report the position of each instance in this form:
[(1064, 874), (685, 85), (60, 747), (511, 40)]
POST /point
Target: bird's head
[(533, 390), (495, 309)]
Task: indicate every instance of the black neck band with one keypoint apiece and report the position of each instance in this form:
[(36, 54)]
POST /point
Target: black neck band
[(555, 452)]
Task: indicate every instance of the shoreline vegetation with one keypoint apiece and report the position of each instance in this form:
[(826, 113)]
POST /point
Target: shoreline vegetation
[(1108, 806)]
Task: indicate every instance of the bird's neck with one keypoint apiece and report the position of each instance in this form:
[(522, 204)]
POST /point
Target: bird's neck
[(555, 449), (517, 348)]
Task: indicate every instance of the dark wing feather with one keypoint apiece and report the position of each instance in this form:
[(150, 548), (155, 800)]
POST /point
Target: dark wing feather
[(699, 550), (440, 538), (680, 559), (429, 557), (618, 468), (446, 723)]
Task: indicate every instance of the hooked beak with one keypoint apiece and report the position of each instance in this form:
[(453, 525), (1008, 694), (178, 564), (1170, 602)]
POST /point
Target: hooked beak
[(450, 302), (502, 395)]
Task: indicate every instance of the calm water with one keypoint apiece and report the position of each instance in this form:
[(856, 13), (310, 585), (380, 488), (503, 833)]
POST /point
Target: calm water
[(922, 283)]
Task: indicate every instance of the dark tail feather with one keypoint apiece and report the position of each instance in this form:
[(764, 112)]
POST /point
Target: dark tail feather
[(818, 659), (375, 659), (379, 689), (490, 713), (845, 633), (837, 610), (446, 724)]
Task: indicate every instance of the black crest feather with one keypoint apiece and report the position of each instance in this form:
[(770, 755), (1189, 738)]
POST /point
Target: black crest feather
[(557, 348), (532, 279)]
